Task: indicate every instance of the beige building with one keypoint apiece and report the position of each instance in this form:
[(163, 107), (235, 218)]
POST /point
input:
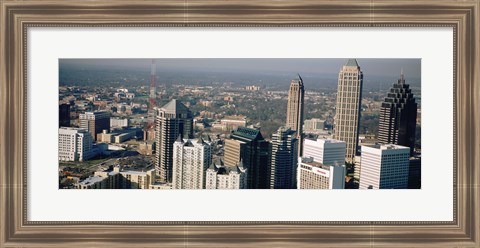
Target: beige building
[(146, 147), (233, 151), (295, 108), (314, 125), (315, 175), (233, 122), (118, 179), (95, 122), (347, 117)]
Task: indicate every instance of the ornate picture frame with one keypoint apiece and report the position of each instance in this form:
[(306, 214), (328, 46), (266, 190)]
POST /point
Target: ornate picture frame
[(17, 16)]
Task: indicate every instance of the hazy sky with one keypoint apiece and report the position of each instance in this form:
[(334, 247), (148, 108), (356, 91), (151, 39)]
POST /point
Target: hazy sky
[(377, 67)]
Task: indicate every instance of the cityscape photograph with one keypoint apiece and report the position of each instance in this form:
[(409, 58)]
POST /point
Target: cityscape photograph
[(239, 123)]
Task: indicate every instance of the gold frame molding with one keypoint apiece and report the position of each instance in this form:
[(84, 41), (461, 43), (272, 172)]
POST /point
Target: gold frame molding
[(17, 16)]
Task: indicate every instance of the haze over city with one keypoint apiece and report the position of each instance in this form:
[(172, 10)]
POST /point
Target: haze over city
[(256, 123)]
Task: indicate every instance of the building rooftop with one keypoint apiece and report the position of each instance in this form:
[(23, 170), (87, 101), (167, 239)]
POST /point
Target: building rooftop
[(92, 180), (71, 130), (175, 106), (311, 162), (352, 62), (299, 79), (387, 147), (248, 133), (235, 117)]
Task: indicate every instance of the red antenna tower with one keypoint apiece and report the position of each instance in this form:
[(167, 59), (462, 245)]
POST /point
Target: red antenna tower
[(153, 93)]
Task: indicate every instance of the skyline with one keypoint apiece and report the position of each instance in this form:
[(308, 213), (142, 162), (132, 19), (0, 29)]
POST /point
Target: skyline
[(285, 66), (231, 133)]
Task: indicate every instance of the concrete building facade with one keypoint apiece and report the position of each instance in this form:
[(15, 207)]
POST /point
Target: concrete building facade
[(349, 99), (74, 144), (315, 175), (384, 167), (325, 151), (295, 107), (191, 158)]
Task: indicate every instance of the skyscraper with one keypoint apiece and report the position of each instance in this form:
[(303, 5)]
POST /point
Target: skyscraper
[(173, 119), (191, 158), (295, 110), (247, 145), (384, 167), (283, 164), (95, 122), (349, 98), (398, 116)]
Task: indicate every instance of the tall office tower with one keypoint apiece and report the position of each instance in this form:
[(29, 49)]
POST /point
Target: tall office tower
[(172, 120), (223, 177), (295, 110), (384, 167), (283, 165), (325, 151), (398, 116), (248, 145), (349, 98), (64, 115), (191, 158), (315, 175), (95, 122), (74, 144)]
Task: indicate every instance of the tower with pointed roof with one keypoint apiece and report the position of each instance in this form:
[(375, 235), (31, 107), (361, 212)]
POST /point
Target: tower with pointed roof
[(398, 116), (173, 120), (348, 107), (295, 108)]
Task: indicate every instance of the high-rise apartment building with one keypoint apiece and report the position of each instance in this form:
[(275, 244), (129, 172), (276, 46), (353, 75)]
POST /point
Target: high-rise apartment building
[(95, 122), (219, 176), (283, 165), (295, 108), (172, 120), (248, 145), (398, 116), (74, 144), (315, 175), (384, 167), (349, 98), (325, 151), (191, 158)]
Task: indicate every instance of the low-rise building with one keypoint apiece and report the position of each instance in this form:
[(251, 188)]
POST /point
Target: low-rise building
[(74, 144)]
